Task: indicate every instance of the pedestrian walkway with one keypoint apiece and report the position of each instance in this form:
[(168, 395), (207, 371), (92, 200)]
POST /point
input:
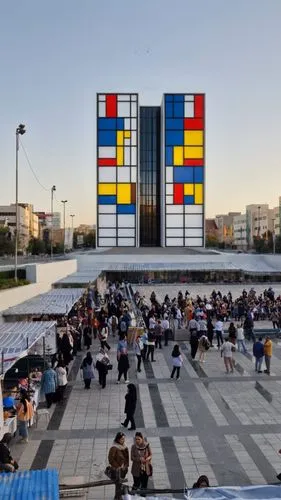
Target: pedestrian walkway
[(224, 426)]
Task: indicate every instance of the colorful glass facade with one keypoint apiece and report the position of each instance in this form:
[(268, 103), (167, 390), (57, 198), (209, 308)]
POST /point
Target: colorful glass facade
[(117, 169), (183, 118)]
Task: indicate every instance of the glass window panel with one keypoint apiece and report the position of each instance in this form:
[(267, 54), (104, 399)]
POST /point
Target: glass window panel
[(123, 109), (102, 109), (133, 138), (189, 98), (101, 97), (107, 209), (107, 242), (192, 232), (133, 174), (107, 152), (106, 220), (169, 199), (169, 174), (123, 174), (169, 188), (107, 232), (126, 220), (107, 174), (193, 242), (133, 155), (194, 209), (127, 158), (126, 242), (193, 220), (174, 220), (133, 97), (174, 242), (133, 109), (174, 209), (189, 110), (133, 124), (127, 232), (174, 232), (123, 97)]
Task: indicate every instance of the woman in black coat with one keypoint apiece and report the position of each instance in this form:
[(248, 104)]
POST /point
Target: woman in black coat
[(130, 407)]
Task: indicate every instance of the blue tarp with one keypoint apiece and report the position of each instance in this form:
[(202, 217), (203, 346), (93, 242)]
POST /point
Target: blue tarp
[(30, 485)]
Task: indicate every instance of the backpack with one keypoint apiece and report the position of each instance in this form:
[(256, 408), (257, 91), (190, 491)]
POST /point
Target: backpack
[(123, 326)]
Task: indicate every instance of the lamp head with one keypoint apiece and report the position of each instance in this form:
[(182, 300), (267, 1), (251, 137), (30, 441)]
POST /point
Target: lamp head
[(21, 129)]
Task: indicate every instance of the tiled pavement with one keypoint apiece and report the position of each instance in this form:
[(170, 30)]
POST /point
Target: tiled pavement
[(225, 426)]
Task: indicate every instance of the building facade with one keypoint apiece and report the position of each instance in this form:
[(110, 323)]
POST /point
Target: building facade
[(27, 222), (150, 171)]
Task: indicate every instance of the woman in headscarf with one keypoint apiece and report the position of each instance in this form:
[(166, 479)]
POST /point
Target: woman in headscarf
[(118, 456), (87, 368), (202, 482), (141, 462), (130, 407), (102, 363)]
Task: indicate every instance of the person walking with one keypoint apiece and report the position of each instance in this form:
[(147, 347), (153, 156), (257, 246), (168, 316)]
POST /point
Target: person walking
[(177, 362), (25, 413), (219, 331), (49, 383), (141, 457), (102, 365), (150, 345), (267, 354), (241, 339), (118, 458), (62, 380), (130, 407), (87, 370), (123, 365), (158, 331), (258, 353), (138, 348), (87, 337), (232, 333), (210, 331), (203, 347), (166, 328), (103, 335), (227, 349), (194, 336)]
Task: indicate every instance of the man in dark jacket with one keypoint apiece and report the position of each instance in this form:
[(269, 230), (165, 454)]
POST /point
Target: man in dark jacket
[(258, 352), (7, 463)]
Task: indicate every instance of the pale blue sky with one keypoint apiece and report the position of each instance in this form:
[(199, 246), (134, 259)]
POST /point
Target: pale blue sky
[(55, 56)]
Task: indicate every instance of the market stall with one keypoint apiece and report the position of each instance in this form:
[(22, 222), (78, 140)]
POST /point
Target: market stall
[(24, 347)]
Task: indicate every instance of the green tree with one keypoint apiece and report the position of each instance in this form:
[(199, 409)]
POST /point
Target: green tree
[(7, 245), (36, 246), (90, 239)]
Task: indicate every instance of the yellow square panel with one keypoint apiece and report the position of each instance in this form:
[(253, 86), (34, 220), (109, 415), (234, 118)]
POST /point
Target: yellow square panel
[(193, 138), (120, 138), (120, 155), (188, 189), (198, 194), (123, 193), (127, 134), (178, 155), (191, 152), (107, 188)]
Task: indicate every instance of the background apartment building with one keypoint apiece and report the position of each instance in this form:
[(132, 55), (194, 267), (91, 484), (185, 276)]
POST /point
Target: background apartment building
[(27, 222)]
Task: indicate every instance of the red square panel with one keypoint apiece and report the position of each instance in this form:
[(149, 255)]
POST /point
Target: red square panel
[(194, 163), (111, 105), (199, 106), (107, 162), (178, 194), (193, 124)]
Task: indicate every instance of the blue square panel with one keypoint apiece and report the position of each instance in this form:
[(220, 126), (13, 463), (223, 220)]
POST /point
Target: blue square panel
[(198, 174), (179, 109), (120, 123), (174, 138), (169, 110), (169, 155), (178, 97), (107, 138), (174, 124), (126, 209), (183, 175), (107, 199), (188, 200), (107, 123), (169, 98)]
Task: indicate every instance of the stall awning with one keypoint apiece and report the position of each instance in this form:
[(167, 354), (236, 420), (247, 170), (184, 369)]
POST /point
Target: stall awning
[(55, 302), (17, 338), (30, 485)]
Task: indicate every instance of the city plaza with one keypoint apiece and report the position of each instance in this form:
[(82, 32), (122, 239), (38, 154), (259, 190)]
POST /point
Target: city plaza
[(224, 426)]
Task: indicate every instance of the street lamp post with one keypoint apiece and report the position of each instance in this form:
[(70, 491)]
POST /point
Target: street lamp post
[(52, 216), (259, 221), (64, 202), (241, 231), (72, 217), (20, 130), (273, 236)]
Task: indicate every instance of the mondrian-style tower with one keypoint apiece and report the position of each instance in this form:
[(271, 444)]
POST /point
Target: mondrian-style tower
[(150, 171)]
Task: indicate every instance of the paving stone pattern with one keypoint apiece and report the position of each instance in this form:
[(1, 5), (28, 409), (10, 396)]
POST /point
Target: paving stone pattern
[(224, 426)]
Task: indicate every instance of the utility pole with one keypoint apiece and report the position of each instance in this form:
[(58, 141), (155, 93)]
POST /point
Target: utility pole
[(20, 130), (72, 217), (52, 215), (64, 202), (273, 236)]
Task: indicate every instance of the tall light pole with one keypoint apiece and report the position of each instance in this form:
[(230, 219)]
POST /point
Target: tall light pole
[(64, 202), (20, 130), (259, 221), (52, 216), (273, 236), (72, 217)]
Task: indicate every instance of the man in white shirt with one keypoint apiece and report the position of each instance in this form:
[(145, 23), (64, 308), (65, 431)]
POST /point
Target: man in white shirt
[(165, 326), (227, 349), (219, 331)]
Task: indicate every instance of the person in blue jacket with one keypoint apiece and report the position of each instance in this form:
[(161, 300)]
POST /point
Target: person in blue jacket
[(258, 352)]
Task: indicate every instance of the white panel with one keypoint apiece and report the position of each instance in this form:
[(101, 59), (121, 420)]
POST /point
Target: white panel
[(134, 124), (107, 220), (107, 152), (123, 97), (127, 124), (133, 174), (126, 242), (126, 232), (194, 232), (107, 232), (193, 242), (107, 174), (133, 138), (127, 142), (107, 209), (127, 160), (194, 209), (174, 209), (133, 109), (194, 220), (174, 232), (169, 199), (101, 109), (169, 174), (126, 220), (133, 155), (107, 242), (174, 220), (189, 109), (133, 97), (123, 109), (169, 188), (174, 242), (102, 97), (189, 98), (123, 174)]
